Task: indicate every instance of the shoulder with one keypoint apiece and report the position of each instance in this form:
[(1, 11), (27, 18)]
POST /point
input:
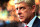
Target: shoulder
[(36, 22), (37, 19)]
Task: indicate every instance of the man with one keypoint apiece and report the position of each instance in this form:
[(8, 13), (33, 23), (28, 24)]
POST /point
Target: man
[(25, 10)]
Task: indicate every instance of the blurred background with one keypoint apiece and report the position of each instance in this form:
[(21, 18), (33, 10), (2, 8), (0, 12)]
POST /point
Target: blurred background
[(8, 14)]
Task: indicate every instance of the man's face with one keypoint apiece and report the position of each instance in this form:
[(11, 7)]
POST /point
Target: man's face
[(23, 11)]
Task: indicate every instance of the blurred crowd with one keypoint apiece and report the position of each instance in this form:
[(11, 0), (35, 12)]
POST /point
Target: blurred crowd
[(7, 13)]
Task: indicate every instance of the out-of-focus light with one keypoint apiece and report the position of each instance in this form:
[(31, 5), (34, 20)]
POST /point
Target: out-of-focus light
[(0, 14), (11, 18), (1, 23), (7, 22), (39, 17), (11, 2), (36, 2), (3, 15), (15, 1), (9, 8)]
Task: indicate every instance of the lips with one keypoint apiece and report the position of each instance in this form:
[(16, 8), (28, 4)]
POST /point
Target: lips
[(21, 17)]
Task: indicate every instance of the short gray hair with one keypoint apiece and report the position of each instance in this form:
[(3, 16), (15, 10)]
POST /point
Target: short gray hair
[(29, 2)]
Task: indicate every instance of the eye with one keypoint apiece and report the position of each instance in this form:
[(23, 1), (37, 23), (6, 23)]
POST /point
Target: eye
[(22, 7), (16, 8)]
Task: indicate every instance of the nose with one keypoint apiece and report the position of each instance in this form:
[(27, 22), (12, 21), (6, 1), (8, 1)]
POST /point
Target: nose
[(19, 12)]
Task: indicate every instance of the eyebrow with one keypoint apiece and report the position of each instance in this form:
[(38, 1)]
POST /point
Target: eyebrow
[(22, 7)]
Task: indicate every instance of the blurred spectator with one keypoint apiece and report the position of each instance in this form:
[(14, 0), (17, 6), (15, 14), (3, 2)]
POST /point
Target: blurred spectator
[(2, 23)]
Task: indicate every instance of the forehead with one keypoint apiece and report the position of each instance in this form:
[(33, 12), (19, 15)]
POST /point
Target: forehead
[(20, 4)]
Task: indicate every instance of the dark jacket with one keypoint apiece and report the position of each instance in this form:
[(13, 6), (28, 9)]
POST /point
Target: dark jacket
[(35, 24)]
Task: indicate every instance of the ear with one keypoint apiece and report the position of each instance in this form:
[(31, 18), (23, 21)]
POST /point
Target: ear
[(33, 8)]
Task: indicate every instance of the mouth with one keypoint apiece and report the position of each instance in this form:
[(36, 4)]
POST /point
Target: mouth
[(21, 17)]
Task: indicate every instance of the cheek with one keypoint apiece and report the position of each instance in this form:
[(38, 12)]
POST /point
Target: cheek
[(17, 12), (27, 13)]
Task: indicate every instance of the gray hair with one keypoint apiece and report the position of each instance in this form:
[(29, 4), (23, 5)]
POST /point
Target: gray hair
[(29, 2)]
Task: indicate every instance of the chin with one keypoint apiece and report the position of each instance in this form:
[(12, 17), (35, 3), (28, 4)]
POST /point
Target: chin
[(21, 20)]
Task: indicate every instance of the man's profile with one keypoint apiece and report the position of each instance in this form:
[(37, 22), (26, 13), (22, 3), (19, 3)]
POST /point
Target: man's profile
[(25, 10)]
